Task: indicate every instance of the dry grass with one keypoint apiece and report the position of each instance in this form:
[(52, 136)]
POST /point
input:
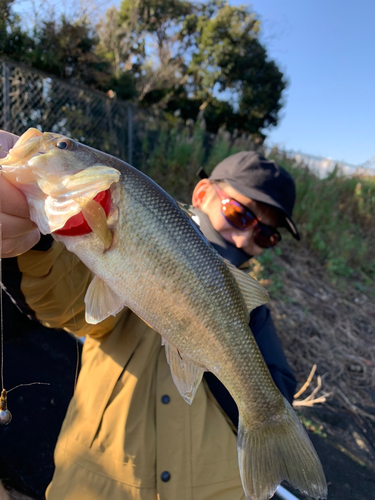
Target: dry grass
[(322, 324), (318, 324)]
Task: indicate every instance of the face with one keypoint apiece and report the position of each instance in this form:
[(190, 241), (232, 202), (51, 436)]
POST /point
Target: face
[(206, 198)]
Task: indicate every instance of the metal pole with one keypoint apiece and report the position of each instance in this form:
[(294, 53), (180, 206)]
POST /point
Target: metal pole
[(130, 135), (6, 97)]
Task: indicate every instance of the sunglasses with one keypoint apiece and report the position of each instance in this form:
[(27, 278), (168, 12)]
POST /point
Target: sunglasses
[(242, 218)]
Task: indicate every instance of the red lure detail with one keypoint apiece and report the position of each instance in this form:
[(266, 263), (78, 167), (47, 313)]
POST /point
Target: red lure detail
[(76, 225)]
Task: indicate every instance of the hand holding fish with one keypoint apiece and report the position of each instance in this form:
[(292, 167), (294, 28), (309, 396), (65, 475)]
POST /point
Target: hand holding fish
[(19, 233)]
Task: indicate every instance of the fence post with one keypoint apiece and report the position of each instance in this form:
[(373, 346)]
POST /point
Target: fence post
[(6, 97), (130, 135)]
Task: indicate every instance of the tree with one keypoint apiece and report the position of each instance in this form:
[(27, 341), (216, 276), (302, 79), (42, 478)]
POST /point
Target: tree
[(153, 33), (67, 49), (229, 64), (142, 38), (13, 40), (122, 49), (199, 60)]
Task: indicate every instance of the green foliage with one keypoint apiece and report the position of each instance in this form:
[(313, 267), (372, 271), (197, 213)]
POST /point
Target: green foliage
[(171, 157), (67, 49), (311, 426), (13, 40), (172, 153), (272, 272), (202, 61), (335, 217), (229, 57), (64, 48), (124, 85), (206, 61)]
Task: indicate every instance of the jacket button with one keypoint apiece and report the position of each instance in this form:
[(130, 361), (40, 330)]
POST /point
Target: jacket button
[(165, 399), (165, 476)]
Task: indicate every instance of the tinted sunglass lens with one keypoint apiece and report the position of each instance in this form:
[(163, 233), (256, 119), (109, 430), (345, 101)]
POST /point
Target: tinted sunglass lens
[(266, 237), (236, 215)]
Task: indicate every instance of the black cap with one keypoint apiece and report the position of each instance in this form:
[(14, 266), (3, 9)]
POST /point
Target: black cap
[(260, 179)]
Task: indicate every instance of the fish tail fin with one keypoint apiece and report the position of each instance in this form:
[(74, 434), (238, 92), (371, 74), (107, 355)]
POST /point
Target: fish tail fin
[(277, 452)]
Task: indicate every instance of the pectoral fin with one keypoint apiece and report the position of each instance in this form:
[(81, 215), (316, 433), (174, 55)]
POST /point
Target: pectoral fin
[(186, 375), (253, 292), (101, 302)]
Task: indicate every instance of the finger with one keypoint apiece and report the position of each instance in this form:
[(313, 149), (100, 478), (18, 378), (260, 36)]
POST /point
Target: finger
[(7, 141), (17, 246), (12, 226), (12, 200)]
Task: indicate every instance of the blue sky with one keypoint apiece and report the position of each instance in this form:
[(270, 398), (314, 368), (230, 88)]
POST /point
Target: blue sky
[(326, 49)]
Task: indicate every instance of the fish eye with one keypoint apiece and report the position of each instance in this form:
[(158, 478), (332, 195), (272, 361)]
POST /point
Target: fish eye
[(65, 144)]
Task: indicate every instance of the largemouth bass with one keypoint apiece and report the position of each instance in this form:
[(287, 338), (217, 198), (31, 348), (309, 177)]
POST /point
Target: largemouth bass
[(147, 254)]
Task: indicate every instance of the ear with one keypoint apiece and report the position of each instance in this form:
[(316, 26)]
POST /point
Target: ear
[(200, 192)]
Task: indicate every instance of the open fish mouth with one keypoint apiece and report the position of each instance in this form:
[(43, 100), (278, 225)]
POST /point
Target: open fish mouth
[(30, 144), (75, 201)]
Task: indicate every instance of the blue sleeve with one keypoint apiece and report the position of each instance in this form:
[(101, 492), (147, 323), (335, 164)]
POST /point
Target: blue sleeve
[(264, 331)]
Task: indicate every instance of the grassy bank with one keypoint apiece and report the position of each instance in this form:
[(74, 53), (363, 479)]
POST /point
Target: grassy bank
[(336, 218)]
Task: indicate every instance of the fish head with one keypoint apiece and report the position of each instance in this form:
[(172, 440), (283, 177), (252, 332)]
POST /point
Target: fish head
[(45, 154), (59, 176)]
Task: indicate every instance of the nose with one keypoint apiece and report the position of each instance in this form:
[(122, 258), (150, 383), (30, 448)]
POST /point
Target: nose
[(243, 238), (245, 241)]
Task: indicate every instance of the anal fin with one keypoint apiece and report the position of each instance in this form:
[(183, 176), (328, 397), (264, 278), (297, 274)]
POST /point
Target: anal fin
[(186, 375)]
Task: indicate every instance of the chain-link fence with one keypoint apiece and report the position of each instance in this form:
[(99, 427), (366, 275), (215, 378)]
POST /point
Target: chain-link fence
[(166, 148), (31, 98)]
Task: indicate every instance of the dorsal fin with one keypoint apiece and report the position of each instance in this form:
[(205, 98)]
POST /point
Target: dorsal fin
[(253, 292), (186, 209)]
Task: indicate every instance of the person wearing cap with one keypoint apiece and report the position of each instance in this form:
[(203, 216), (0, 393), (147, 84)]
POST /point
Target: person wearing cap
[(127, 432)]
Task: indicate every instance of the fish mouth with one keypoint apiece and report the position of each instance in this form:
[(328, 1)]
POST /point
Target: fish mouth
[(32, 143), (65, 197)]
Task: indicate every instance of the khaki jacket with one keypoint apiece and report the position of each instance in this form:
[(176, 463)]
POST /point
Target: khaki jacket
[(127, 434)]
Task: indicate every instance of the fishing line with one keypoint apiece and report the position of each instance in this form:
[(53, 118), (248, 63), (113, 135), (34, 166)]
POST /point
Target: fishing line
[(5, 415), (1, 296), (1, 284), (75, 291)]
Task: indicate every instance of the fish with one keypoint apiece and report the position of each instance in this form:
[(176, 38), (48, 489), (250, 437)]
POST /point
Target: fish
[(146, 253)]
